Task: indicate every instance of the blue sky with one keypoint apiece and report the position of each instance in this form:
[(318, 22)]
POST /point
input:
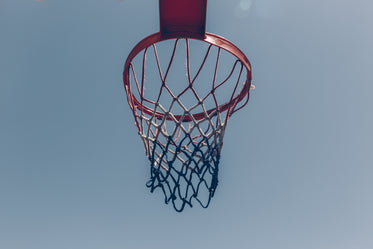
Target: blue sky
[(296, 168)]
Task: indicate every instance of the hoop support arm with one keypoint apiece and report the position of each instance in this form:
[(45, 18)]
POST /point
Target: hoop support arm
[(182, 16)]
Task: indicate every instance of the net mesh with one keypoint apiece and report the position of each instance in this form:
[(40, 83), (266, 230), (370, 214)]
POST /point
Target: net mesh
[(183, 126)]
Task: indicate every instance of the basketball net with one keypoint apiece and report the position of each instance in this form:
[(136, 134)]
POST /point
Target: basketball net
[(184, 147)]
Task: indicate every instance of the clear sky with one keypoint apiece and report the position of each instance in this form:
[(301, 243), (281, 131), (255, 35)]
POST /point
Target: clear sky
[(297, 161)]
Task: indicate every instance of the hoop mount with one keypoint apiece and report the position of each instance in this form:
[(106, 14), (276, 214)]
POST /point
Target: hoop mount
[(182, 16)]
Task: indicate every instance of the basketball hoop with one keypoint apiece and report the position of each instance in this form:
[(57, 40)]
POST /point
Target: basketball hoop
[(182, 126)]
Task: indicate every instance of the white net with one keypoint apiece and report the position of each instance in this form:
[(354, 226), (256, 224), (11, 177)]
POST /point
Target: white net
[(181, 103)]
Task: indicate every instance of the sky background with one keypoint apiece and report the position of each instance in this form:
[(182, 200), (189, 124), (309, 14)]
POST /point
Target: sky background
[(297, 161)]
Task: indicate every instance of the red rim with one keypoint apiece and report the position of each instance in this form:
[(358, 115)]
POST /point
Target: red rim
[(209, 38)]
